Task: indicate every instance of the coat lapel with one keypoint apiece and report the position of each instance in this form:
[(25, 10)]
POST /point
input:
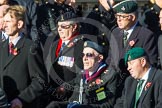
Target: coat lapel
[(19, 45), (52, 52), (150, 78), (5, 53), (133, 37), (130, 96)]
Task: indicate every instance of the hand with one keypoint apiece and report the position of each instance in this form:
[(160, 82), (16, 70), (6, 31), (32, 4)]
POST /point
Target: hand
[(105, 4), (71, 3), (16, 103)]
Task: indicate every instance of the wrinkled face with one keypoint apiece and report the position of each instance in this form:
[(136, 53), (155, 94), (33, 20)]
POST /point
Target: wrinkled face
[(66, 30), (90, 58), (124, 21), (11, 25), (135, 68), (160, 19)]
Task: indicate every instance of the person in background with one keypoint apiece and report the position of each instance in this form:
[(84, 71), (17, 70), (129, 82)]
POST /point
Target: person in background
[(100, 21), (95, 85), (48, 12), (21, 71), (3, 36), (129, 34), (142, 89), (160, 40), (150, 17)]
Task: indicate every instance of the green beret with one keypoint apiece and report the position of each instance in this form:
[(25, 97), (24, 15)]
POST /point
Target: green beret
[(126, 6), (94, 46), (134, 53)]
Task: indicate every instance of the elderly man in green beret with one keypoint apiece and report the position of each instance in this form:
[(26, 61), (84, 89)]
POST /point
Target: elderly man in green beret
[(129, 34), (143, 89)]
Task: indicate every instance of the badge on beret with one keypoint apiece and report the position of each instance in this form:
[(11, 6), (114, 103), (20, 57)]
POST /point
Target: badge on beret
[(129, 57), (62, 18), (123, 8)]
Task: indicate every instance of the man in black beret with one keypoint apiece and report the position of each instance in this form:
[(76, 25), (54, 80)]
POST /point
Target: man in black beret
[(129, 34), (143, 88), (150, 17)]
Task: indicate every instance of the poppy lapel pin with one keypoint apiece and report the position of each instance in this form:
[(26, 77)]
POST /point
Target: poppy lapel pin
[(148, 84)]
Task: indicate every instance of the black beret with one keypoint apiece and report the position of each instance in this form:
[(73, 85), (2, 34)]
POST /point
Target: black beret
[(126, 6), (67, 16)]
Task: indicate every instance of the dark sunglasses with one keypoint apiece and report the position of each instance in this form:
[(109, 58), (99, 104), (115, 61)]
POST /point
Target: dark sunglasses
[(65, 26), (88, 55)]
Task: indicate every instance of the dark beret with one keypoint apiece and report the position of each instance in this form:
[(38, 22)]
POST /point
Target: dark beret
[(94, 46), (67, 16), (126, 6), (134, 53)]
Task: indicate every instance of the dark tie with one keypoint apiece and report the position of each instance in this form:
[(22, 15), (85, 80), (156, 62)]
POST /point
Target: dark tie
[(138, 92), (62, 46), (125, 38), (11, 47)]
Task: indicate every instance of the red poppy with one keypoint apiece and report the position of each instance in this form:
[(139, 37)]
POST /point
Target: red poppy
[(147, 85), (131, 43)]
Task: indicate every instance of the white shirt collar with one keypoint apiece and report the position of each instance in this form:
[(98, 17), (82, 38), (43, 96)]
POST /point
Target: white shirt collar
[(130, 30), (15, 40), (66, 42), (4, 35), (145, 77)]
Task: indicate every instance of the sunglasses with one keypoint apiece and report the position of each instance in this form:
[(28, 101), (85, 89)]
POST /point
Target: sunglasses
[(88, 55), (65, 26)]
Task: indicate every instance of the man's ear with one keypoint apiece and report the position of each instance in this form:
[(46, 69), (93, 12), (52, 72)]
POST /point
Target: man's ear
[(133, 17), (20, 24), (143, 62), (75, 27), (100, 58)]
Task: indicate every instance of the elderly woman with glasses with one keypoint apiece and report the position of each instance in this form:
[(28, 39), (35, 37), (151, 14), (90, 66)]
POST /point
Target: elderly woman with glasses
[(63, 58), (95, 85)]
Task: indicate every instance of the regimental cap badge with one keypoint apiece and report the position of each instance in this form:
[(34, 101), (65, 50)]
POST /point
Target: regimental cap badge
[(129, 58), (62, 17), (123, 8)]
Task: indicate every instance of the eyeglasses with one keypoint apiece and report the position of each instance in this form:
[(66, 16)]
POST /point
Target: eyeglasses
[(121, 16), (88, 55), (65, 26)]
